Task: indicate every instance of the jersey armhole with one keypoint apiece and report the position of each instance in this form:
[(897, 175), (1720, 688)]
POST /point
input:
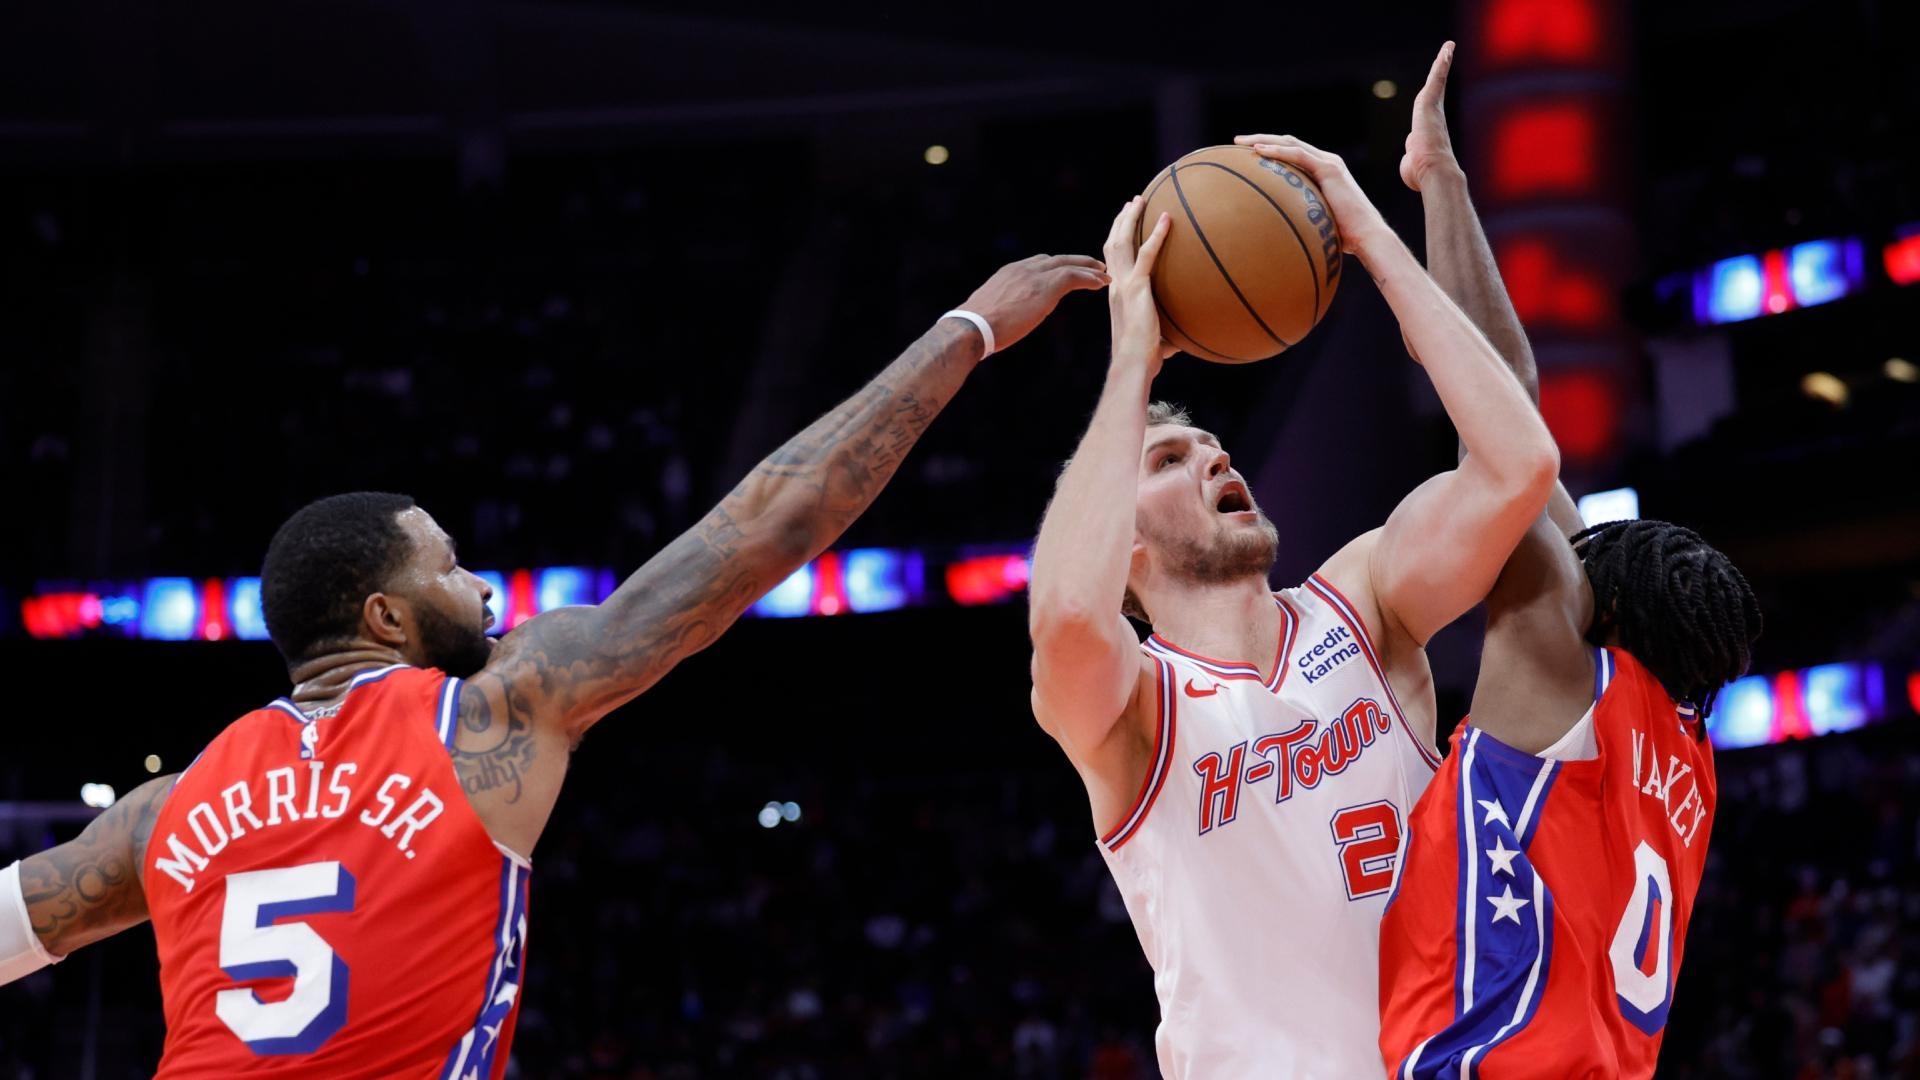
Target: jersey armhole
[(1157, 766), (1343, 609)]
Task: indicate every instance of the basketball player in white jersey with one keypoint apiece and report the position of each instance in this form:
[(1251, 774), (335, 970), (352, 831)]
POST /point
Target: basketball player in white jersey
[(1251, 765)]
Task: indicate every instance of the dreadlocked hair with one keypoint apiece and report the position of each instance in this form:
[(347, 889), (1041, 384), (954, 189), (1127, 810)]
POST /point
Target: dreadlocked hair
[(1681, 607)]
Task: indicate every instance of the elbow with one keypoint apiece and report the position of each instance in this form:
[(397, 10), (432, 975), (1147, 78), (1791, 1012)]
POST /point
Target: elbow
[(1536, 471), (1059, 622), (1523, 474)]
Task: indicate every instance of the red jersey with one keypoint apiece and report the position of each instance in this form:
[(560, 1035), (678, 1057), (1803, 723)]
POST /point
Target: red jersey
[(327, 903), (1538, 923)]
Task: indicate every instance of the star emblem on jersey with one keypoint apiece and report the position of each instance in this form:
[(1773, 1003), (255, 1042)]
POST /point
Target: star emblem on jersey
[(1502, 858), (1495, 812), (1507, 905)]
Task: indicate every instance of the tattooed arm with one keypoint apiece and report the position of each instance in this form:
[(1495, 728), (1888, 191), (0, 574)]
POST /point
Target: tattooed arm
[(89, 887), (556, 676)]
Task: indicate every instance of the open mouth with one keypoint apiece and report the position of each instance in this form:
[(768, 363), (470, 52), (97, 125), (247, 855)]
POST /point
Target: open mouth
[(1234, 499)]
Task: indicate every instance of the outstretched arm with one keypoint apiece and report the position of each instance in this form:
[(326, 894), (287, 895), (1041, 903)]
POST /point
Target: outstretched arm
[(1458, 255), (567, 669), (1443, 546), (1086, 661), (1537, 669), (89, 887)]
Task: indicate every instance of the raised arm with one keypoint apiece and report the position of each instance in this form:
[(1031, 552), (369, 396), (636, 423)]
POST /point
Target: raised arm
[(1086, 661), (568, 668), (1443, 546), (89, 887), (1458, 255), (1537, 670)]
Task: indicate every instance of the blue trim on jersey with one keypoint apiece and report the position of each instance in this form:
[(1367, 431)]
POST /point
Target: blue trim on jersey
[(1400, 865), (368, 677), (472, 1057), (449, 704), (1646, 927), (1504, 911), (365, 678)]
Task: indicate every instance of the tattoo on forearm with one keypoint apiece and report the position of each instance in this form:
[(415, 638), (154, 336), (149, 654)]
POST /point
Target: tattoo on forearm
[(89, 888), (576, 665), (792, 506)]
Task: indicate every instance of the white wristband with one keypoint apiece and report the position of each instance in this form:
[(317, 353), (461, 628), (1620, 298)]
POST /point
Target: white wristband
[(20, 950), (986, 330)]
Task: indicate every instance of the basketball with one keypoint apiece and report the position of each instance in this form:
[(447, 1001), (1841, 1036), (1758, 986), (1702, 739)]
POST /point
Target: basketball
[(1251, 261)]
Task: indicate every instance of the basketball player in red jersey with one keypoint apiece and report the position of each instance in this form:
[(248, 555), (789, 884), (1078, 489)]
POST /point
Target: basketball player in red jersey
[(338, 883), (1552, 865), (1250, 807)]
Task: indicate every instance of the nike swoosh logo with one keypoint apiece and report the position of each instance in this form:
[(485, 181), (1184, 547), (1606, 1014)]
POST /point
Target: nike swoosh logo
[(1191, 692)]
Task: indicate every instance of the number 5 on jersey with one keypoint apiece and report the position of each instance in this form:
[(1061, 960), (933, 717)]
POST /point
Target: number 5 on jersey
[(253, 945)]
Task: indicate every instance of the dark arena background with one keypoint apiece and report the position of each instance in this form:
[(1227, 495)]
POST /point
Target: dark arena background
[(564, 271)]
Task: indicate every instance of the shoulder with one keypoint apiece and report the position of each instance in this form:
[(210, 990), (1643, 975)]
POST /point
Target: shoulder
[(1346, 581)]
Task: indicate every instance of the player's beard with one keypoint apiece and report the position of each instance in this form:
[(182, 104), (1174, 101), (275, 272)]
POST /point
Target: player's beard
[(458, 650), (1229, 552)]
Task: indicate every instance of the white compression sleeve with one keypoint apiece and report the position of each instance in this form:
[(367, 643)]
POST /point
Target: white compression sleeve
[(21, 953)]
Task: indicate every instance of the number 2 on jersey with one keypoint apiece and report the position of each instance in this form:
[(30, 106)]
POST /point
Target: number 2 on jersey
[(1367, 838), (254, 946), (1642, 950)]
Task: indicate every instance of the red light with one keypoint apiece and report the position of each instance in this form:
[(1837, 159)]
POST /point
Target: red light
[(1582, 410), (1559, 31), (56, 615), (1773, 269), (1545, 150), (1913, 691), (1789, 709), (1903, 260), (829, 587), (1544, 289), (213, 611), (988, 579), (520, 605), (30, 617)]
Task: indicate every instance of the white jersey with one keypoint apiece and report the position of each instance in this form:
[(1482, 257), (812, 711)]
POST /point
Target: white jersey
[(1259, 855)]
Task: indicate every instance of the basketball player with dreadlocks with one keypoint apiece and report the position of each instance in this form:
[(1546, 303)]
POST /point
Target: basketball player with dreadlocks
[(1551, 866)]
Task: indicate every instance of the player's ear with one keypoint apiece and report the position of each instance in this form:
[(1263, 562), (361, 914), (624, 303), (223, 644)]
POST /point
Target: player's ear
[(384, 618)]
